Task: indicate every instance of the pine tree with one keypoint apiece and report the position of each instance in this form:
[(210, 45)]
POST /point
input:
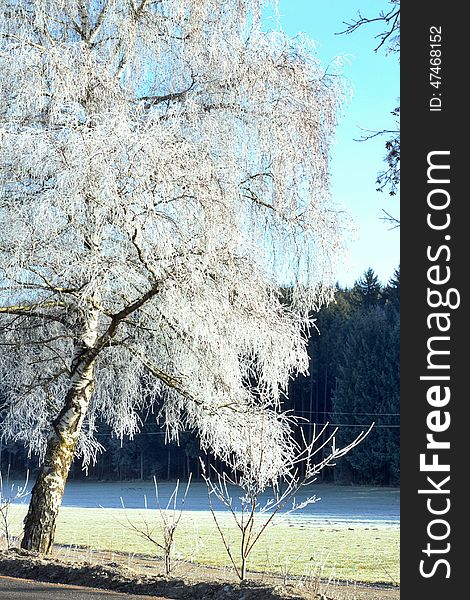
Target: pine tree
[(367, 291), (368, 390)]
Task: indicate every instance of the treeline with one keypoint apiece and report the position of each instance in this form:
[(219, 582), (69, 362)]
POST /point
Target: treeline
[(355, 378), (353, 381)]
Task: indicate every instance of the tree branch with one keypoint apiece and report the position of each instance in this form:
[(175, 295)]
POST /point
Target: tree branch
[(169, 380), (391, 19), (154, 100), (31, 311)]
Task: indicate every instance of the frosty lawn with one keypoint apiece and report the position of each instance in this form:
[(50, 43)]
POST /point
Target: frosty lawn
[(294, 546)]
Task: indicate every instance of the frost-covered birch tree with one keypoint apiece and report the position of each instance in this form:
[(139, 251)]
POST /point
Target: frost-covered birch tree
[(164, 168)]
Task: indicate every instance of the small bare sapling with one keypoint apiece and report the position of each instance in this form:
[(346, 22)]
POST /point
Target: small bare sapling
[(254, 512), (167, 523), (9, 494)]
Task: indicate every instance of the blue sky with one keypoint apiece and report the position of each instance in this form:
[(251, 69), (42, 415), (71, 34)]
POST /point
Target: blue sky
[(375, 81)]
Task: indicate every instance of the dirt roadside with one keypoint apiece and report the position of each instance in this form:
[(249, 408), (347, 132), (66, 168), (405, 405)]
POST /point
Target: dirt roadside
[(191, 581)]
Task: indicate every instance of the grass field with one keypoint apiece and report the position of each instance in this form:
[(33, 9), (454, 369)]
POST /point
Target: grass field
[(293, 547)]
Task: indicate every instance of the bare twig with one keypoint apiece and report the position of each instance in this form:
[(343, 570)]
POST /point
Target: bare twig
[(170, 517), (253, 482), (7, 498)]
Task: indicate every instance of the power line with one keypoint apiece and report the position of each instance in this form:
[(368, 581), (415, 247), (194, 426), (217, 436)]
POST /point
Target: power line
[(357, 414), (362, 425)]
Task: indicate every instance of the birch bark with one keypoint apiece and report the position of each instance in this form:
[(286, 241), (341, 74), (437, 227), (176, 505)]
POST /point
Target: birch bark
[(46, 496)]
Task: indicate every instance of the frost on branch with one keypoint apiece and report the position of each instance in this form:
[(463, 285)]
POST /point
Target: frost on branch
[(254, 512), (164, 169)]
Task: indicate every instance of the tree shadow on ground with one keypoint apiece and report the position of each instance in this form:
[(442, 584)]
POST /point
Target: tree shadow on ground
[(20, 563)]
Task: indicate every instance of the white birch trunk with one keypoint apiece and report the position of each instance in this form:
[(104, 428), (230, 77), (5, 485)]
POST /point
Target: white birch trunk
[(47, 493)]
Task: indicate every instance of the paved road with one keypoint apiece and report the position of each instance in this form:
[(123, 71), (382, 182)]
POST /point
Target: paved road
[(24, 589)]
